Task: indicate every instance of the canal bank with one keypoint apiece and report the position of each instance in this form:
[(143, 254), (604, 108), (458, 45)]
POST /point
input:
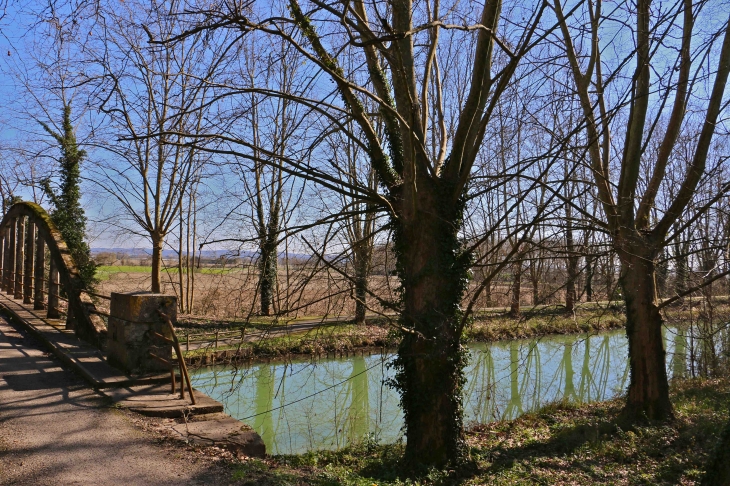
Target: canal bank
[(227, 343), (304, 404), (559, 444)]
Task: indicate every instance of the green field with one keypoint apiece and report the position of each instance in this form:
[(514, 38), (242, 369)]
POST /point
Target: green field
[(104, 272)]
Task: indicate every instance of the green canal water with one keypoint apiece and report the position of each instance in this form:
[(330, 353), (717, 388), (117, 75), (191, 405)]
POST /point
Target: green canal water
[(301, 405)]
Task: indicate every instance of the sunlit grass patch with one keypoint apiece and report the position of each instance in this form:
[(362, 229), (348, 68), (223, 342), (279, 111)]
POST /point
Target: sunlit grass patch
[(493, 327), (559, 444)]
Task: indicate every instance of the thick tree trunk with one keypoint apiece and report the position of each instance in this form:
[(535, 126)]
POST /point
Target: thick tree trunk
[(648, 393), (431, 358), (157, 241), (268, 268)]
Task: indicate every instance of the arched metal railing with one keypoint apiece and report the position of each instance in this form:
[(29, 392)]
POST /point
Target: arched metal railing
[(28, 238)]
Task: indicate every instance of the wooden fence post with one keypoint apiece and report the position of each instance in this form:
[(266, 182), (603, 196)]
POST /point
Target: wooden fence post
[(19, 252), (10, 281), (53, 292), (40, 267), (28, 270), (7, 250)]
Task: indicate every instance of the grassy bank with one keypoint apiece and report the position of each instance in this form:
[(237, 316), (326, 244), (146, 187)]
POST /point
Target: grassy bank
[(547, 320), (330, 339), (344, 337), (559, 445)]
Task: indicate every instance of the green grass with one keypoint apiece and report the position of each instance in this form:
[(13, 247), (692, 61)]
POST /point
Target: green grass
[(561, 444), (498, 326), (318, 341), (260, 322)]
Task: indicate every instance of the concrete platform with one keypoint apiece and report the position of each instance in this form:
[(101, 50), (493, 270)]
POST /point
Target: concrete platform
[(157, 401), (224, 431)]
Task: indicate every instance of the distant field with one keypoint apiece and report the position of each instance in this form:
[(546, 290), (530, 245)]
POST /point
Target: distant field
[(104, 272)]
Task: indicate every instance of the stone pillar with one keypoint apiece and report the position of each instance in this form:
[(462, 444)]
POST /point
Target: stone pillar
[(133, 318), (19, 252), (53, 292), (28, 263), (40, 267), (10, 288)]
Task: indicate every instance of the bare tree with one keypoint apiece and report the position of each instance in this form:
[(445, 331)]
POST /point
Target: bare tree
[(423, 161), (151, 94), (627, 209)]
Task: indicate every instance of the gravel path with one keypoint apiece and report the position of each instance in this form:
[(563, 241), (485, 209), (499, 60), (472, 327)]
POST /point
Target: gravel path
[(56, 431)]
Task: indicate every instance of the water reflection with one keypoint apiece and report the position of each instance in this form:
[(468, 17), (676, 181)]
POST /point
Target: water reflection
[(328, 403)]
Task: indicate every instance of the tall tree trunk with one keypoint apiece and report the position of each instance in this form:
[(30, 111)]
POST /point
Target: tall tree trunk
[(681, 265), (648, 394), (488, 293), (514, 309), (180, 258), (268, 268), (662, 270), (157, 241), (431, 358), (361, 284), (572, 270), (535, 280), (609, 274), (572, 260), (590, 268)]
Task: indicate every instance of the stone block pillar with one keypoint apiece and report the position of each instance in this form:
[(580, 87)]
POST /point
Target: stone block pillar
[(133, 318)]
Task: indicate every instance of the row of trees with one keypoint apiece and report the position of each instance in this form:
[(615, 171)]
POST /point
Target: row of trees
[(470, 140)]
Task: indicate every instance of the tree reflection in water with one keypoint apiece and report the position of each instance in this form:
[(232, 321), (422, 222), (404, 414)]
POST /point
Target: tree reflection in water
[(329, 403)]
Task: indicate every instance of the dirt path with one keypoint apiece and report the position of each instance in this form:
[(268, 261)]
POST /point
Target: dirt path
[(55, 431)]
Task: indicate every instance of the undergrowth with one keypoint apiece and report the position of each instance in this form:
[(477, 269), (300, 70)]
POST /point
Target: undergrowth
[(560, 444)]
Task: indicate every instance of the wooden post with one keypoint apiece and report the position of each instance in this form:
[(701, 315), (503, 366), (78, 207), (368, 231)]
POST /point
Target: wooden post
[(6, 256), (9, 288), (19, 251), (70, 319), (53, 292), (40, 266), (28, 270), (184, 376), (3, 259), (3, 238)]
